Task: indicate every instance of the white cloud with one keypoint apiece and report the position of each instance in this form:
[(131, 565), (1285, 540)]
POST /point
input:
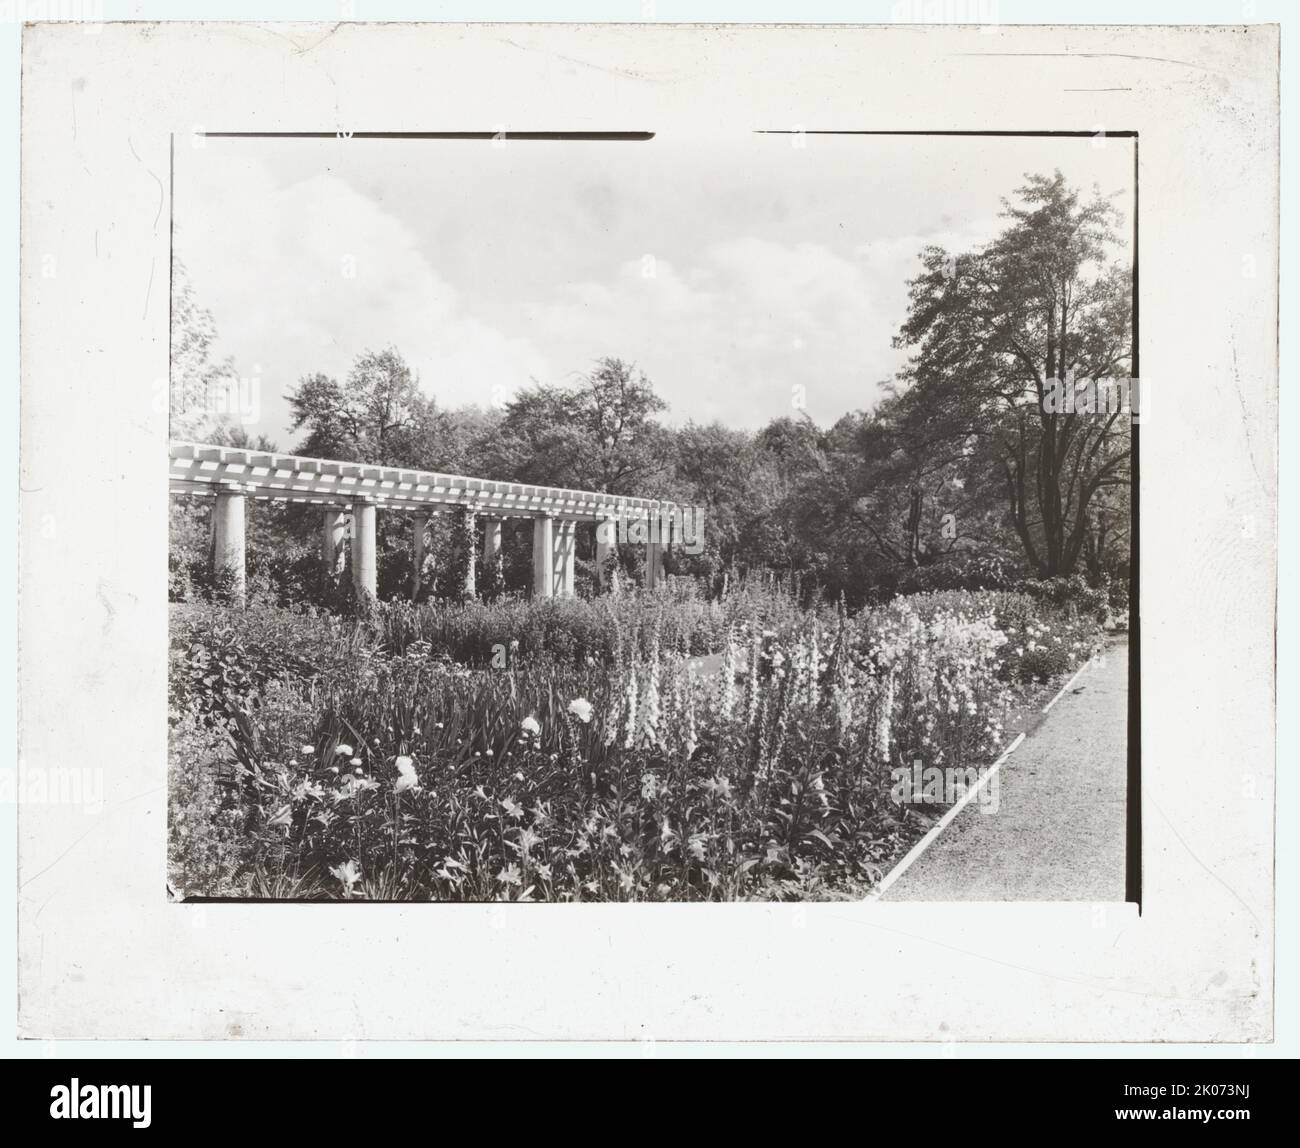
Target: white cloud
[(304, 277), (732, 334), (768, 269)]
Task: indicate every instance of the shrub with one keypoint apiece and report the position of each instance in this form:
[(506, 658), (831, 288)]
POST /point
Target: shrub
[(222, 658), (1072, 593), (566, 630), (189, 578), (1117, 593), (207, 848), (492, 580), (959, 571)]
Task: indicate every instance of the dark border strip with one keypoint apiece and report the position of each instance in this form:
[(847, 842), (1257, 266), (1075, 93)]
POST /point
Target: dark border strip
[(1133, 804), (1006, 134), (171, 272), (632, 137)]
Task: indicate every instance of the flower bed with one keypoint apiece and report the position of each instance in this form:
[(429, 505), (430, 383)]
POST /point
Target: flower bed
[(610, 769)]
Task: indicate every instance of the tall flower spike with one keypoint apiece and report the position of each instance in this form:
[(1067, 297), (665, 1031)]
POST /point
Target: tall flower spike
[(676, 711), (727, 678), (650, 705), (798, 667), (784, 697), (630, 699), (753, 685), (690, 713), (614, 718), (618, 636), (814, 657), (884, 716)]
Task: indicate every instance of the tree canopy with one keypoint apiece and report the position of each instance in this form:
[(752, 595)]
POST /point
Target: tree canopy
[(963, 469), (992, 329)]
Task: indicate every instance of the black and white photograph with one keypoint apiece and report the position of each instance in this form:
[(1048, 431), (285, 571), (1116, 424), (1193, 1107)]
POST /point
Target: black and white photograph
[(643, 518), (688, 539)]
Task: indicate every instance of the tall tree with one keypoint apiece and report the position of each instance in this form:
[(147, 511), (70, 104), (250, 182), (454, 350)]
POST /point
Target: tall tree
[(377, 414), (599, 435), (791, 462), (995, 331), (890, 477), (719, 468), (200, 382)]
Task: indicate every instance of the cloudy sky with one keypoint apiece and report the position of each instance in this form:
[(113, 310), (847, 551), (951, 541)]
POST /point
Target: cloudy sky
[(731, 270)]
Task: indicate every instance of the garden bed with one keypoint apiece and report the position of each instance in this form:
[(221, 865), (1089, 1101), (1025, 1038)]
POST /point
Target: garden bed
[(654, 747)]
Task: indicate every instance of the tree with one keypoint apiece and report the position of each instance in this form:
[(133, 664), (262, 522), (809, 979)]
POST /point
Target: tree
[(792, 459), (888, 477), (199, 384), (377, 414), (234, 435), (1106, 540), (991, 331), (719, 469), (599, 435), (453, 441)]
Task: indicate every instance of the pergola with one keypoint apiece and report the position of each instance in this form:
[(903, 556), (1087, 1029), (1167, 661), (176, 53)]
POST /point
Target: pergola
[(350, 494)]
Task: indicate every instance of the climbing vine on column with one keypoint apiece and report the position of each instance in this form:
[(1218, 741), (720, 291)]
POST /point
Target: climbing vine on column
[(456, 578)]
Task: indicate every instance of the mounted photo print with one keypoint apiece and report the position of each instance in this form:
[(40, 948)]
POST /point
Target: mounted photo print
[(704, 520)]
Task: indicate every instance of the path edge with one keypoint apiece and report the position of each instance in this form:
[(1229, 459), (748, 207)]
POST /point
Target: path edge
[(914, 854)]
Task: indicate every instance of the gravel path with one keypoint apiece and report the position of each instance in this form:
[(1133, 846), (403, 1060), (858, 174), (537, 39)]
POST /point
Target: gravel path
[(1058, 832)]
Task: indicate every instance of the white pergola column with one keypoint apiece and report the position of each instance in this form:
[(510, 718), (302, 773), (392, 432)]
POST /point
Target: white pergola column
[(491, 540), (228, 540), (543, 557), (334, 533), (419, 524), (566, 544), (470, 587), (654, 553), (365, 574), (606, 541)]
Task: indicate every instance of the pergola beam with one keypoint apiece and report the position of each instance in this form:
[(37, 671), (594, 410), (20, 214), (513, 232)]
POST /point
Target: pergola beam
[(196, 466), (358, 490)]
